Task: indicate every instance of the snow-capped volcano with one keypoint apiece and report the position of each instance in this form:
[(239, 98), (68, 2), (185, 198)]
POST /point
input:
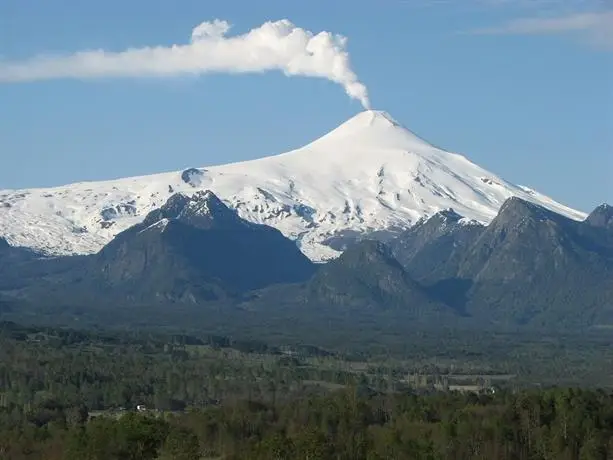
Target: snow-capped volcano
[(369, 174)]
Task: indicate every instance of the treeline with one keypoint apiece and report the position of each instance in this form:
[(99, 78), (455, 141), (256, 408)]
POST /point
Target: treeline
[(67, 336), (42, 367), (560, 424)]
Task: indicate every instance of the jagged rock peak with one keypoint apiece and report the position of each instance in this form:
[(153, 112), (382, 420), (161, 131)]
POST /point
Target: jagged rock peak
[(437, 217), (450, 214), (518, 208), (201, 209), (446, 217), (207, 203), (602, 216)]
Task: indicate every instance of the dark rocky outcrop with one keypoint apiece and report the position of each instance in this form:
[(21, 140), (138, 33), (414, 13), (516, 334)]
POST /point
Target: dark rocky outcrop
[(193, 176), (601, 217), (529, 266), (195, 248)]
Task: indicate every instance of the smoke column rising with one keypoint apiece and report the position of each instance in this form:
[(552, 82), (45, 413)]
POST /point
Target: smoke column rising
[(278, 45)]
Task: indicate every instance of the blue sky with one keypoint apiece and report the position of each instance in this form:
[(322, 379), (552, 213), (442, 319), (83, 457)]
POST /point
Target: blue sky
[(523, 88)]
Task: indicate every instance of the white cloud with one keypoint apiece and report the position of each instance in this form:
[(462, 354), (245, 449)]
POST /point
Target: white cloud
[(596, 27), (278, 45)]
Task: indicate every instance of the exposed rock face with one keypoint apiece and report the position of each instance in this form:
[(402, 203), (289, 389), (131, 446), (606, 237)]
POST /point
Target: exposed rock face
[(528, 266), (434, 247), (602, 217), (195, 248), (193, 176)]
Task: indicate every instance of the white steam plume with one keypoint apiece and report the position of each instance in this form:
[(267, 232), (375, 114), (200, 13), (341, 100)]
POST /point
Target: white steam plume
[(278, 45)]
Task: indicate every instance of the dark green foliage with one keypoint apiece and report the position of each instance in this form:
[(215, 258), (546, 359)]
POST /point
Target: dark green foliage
[(60, 392), (560, 424), (200, 238), (367, 276), (364, 288), (130, 437), (180, 444), (21, 267), (530, 267)]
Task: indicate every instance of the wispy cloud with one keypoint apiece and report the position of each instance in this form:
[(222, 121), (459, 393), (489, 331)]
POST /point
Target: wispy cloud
[(278, 45), (594, 27)]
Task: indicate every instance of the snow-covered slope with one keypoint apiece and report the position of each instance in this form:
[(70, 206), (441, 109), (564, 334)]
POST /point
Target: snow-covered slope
[(368, 174)]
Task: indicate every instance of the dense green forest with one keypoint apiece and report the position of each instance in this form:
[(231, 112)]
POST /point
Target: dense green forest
[(72, 394), (580, 357), (548, 424)]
